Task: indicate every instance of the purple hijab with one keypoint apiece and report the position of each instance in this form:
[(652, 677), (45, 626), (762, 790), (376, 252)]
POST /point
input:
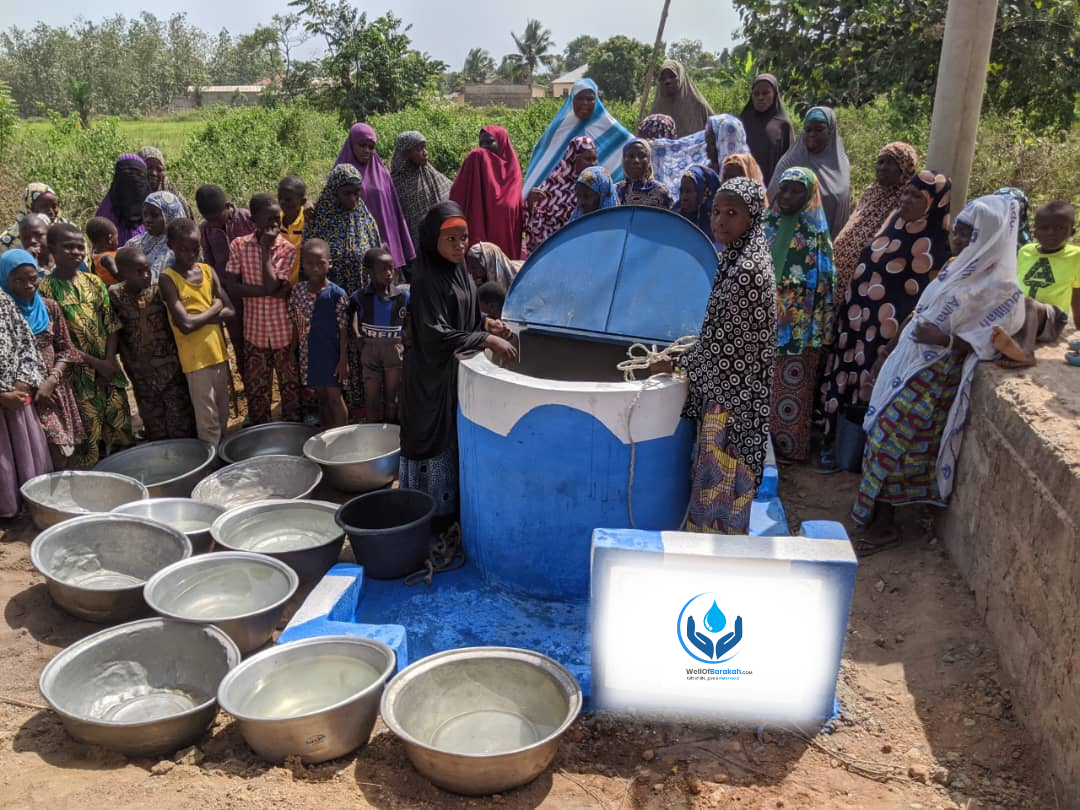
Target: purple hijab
[(380, 196)]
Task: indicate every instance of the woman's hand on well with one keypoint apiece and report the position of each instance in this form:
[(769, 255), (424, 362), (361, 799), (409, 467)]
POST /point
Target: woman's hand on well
[(501, 347), (499, 328)]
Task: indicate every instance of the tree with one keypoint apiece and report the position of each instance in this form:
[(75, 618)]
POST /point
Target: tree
[(618, 67), (479, 67), (512, 69), (533, 47), (577, 51), (693, 57), (82, 95), (246, 59)]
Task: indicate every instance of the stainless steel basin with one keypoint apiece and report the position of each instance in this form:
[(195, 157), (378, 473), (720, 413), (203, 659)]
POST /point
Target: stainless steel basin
[(59, 496), (273, 438), (191, 517), (357, 458), (169, 468), (259, 478)]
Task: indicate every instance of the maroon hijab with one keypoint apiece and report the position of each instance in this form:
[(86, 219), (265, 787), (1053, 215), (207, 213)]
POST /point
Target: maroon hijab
[(488, 189)]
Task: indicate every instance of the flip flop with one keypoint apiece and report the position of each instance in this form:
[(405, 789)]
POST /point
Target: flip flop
[(1074, 345), (867, 548), (1072, 358)]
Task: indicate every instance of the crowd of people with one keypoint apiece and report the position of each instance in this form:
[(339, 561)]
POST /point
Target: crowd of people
[(849, 330)]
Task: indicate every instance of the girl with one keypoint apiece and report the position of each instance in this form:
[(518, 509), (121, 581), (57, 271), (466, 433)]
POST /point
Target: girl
[(39, 198), (699, 184), (593, 190), (160, 208), (552, 202), (802, 261), (639, 187)]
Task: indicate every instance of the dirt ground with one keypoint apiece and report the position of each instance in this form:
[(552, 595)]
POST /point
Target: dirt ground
[(926, 723)]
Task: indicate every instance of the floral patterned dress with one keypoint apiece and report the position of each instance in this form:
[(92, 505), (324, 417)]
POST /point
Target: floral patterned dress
[(60, 417)]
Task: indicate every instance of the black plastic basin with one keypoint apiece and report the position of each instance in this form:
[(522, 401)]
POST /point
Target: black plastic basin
[(389, 531)]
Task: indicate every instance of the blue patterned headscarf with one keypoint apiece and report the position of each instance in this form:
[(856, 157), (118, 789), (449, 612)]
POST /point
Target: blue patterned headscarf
[(671, 158), (156, 247), (34, 311), (706, 181), (1023, 233), (598, 179)]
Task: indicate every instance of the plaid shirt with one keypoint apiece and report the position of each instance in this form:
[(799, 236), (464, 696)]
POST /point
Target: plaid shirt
[(266, 319)]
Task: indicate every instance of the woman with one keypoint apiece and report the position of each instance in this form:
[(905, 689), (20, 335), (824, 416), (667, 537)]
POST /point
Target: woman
[(894, 169), (638, 186), (729, 369), (160, 208), (657, 126), (444, 321), (697, 189), (419, 185), (488, 189), (123, 205), (741, 164), (157, 179), (54, 399), (593, 190), (676, 96), (583, 113), (38, 198), (921, 395), (892, 272), (487, 263), (768, 128), (821, 150), (24, 452), (551, 203), (803, 265), (378, 192), (723, 135)]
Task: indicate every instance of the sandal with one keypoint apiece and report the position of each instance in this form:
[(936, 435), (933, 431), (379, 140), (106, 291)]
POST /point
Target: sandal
[(1072, 358), (865, 547)]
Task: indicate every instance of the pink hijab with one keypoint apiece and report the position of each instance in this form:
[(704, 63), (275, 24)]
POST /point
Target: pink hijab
[(380, 196)]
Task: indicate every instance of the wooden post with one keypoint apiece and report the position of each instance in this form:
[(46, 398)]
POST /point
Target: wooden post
[(652, 61), (961, 82)]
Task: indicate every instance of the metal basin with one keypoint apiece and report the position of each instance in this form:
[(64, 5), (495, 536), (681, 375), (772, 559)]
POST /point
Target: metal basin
[(481, 720), (58, 496), (241, 593), (259, 478), (191, 517), (169, 468), (148, 687), (96, 565), (301, 534), (357, 458), (273, 438), (316, 698)]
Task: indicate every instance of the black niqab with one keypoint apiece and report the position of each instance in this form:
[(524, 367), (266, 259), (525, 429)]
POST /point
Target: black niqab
[(128, 192)]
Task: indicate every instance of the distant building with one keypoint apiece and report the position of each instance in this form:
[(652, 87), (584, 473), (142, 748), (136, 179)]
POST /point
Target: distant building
[(499, 92), (225, 94), (560, 87)]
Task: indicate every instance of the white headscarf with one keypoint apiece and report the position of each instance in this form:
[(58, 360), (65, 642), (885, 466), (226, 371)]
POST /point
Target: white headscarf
[(971, 295), (671, 158)]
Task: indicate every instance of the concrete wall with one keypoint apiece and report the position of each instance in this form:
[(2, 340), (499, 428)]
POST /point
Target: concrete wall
[(1012, 529), (505, 95)]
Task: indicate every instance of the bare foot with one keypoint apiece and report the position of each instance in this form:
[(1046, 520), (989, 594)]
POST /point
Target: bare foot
[(1010, 348)]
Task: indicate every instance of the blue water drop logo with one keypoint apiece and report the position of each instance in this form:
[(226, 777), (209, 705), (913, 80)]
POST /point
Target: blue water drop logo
[(714, 620)]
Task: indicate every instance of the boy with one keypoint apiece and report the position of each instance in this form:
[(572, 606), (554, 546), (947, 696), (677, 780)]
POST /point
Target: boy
[(148, 349), (197, 306), (103, 240), (492, 296), (292, 197), (1049, 269), (33, 236), (378, 315), (258, 270)]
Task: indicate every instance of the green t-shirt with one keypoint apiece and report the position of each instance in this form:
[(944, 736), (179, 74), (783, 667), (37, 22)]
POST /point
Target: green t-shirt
[(1049, 277)]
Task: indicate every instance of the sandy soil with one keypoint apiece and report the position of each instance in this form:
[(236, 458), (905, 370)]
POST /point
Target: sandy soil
[(927, 722)]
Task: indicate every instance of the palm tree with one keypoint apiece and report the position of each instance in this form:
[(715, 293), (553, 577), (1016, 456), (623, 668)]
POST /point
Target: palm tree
[(479, 66), (533, 47)]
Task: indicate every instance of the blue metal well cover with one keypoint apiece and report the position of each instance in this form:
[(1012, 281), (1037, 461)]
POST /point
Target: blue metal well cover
[(630, 272)]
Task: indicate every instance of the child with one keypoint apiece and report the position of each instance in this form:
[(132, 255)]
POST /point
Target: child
[(258, 271), (319, 310), (197, 306), (492, 296), (148, 350), (292, 197), (379, 312), (1049, 269), (696, 189), (639, 187), (100, 387), (103, 240), (33, 236), (593, 190)]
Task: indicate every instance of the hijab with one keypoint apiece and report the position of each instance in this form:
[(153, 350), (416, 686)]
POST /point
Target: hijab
[(128, 191), (20, 360), (34, 311), (554, 210), (975, 293), (645, 190), (671, 158), (418, 187), (597, 178), (657, 126), (153, 153), (156, 248), (607, 133), (379, 195), (1023, 229), (830, 165), (748, 167), (706, 181), (688, 107), (770, 133), (30, 194), (488, 189), (497, 266), (350, 234)]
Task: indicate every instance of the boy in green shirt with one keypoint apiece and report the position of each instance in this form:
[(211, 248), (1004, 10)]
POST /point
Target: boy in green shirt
[(1049, 268)]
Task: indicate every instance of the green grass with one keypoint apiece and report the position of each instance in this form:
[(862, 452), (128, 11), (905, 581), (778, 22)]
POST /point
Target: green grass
[(169, 133)]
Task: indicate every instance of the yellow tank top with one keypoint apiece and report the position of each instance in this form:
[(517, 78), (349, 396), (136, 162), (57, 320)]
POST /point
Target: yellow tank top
[(205, 346)]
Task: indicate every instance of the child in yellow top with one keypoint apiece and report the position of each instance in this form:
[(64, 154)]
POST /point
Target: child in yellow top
[(292, 197), (1049, 268)]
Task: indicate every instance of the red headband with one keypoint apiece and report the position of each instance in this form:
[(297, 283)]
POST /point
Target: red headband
[(453, 222)]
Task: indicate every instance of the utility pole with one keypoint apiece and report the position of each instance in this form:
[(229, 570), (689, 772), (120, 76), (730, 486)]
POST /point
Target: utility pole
[(653, 60), (961, 82)]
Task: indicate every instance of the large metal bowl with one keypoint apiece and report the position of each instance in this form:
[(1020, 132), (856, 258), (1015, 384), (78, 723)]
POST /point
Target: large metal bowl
[(273, 438), (316, 698), (243, 594), (259, 478), (302, 534), (357, 458), (191, 517), (148, 687), (481, 720), (96, 565), (58, 496), (169, 468)]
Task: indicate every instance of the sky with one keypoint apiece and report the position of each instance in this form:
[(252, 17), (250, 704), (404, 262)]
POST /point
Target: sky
[(444, 30)]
